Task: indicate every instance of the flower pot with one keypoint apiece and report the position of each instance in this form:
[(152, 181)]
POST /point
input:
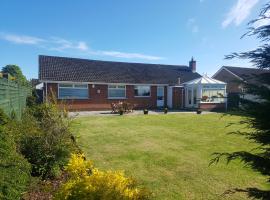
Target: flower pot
[(165, 110)]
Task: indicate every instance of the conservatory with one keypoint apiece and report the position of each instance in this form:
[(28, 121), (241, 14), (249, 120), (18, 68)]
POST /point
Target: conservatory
[(205, 93)]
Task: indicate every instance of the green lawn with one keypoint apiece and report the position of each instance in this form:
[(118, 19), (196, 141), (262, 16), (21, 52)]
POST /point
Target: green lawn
[(170, 154)]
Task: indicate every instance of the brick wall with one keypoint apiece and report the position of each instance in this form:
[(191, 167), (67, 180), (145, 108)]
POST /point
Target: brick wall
[(233, 83), (212, 106), (99, 100)]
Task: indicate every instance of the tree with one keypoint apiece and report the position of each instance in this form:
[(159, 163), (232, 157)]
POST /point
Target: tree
[(15, 71), (257, 111)]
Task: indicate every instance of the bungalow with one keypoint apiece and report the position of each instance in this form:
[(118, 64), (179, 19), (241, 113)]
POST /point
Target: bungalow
[(236, 78), (94, 85)]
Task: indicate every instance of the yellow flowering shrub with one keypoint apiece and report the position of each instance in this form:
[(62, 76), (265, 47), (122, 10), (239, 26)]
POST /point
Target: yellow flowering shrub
[(89, 183)]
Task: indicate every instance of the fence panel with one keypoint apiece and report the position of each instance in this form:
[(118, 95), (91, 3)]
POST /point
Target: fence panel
[(13, 97)]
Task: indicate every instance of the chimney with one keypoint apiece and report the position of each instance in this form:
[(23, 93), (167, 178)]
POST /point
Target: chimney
[(179, 81), (192, 65)]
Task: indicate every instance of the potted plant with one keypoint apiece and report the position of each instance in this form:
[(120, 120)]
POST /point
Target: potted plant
[(165, 110), (121, 111), (199, 111), (145, 111)]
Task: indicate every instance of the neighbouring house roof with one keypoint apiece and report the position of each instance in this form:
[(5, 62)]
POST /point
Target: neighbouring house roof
[(249, 75), (204, 80), (52, 68)]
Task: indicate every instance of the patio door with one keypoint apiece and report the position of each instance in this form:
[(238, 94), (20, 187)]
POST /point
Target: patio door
[(160, 96)]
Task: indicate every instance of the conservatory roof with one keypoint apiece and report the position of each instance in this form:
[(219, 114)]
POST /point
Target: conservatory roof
[(204, 80)]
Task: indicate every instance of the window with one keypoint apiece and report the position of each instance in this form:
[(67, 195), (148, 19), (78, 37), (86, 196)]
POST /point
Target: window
[(116, 91), (189, 96), (194, 95), (213, 95), (73, 91), (142, 91)]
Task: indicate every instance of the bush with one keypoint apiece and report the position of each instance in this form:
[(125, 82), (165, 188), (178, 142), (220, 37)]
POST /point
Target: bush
[(45, 139), (14, 168), (87, 182)]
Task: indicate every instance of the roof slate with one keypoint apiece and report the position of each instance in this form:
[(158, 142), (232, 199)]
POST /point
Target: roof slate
[(250, 75), (52, 68)]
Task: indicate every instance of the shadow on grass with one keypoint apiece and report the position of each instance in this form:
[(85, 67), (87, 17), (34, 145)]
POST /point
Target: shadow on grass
[(258, 159)]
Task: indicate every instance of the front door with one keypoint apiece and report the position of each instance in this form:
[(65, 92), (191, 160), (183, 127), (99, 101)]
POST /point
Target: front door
[(160, 96)]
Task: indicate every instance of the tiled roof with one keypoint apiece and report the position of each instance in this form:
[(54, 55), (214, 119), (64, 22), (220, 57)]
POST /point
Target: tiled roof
[(52, 68), (247, 74)]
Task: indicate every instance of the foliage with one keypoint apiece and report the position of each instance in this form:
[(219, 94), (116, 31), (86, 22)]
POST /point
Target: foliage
[(45, 139), (15, 71), (87, 182), (14, 168), (122, 107), (3, 118), (258, 109)]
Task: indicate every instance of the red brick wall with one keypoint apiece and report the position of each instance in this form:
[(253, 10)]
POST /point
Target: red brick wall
[(232, 81), (178, 96), (212, 106), (100, 101)]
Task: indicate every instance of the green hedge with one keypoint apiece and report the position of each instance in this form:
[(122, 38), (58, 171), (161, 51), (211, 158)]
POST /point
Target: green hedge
[(14, 169)]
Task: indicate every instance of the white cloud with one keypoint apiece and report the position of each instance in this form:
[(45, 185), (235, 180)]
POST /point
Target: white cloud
[(129, 55), (21, 39), (63, 45), (239, 12), (263, 21)]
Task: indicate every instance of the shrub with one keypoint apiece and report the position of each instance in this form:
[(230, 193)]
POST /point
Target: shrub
[(14, 168), (87, 182), (45, 139)]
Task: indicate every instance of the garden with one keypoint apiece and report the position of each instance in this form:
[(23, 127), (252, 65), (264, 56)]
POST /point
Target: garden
[(171, 154)]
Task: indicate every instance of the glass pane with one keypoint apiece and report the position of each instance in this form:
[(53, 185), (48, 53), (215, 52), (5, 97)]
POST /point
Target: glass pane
[(80, 85), (160, 91), (189, 96), (72, 93), (194, 96), (142, 91), (116, 93), (121, 86), (211, 95), (66, 85), (112, 86)]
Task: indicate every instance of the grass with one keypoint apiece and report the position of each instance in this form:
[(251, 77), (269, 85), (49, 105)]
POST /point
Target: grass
[(170, 154)]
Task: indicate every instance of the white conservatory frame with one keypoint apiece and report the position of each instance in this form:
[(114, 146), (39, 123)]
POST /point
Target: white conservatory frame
[(204, 90)]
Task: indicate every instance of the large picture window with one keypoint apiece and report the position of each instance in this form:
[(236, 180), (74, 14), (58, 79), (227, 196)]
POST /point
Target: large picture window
[(73, 91), (142, 91), (116, 91), (213, 95)]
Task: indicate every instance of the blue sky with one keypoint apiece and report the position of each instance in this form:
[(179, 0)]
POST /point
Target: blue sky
[(149, 31)]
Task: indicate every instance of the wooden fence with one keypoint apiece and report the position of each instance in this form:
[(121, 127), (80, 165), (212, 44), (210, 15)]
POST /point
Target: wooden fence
[(13, 97)]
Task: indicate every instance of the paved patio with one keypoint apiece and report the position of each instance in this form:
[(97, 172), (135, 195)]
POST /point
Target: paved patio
[(135, 112)]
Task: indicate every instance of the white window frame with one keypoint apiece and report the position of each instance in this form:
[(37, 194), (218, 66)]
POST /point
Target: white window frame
[(143, 86), (73, 87), (117, 88), (214, 89)]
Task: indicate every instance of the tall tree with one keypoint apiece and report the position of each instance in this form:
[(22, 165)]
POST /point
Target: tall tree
[(257, 111), (15, 71)]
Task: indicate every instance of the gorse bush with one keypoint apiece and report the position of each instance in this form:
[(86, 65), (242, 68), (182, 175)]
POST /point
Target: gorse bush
[(45, 139), (89, 183), (14, 168)]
